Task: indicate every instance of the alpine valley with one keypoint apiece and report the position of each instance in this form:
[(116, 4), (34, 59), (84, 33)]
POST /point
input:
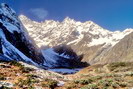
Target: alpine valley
[(47, 55), (17, 45)]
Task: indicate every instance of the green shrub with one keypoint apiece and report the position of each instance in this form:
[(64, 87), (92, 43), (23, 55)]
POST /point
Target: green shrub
[(108, 75), (105, 82), (2, 77), (32, 76), (114, 85), (22, 68), (27, 82), (15, 63), (4, 87), (26, 69), (129, 74), (95, 78), (50, 83), (113, 66), (123, 84), (90, 86), (83, 81), (71, 86), (30, 87), (118, 79)]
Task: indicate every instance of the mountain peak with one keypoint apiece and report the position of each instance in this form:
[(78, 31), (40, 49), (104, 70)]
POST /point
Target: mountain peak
[(5, 8), (4, 5), (90, 22), (22, 16), (128, 30), (68, 20)]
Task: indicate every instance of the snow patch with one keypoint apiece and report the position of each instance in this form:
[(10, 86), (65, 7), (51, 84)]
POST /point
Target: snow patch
[(60, 83)]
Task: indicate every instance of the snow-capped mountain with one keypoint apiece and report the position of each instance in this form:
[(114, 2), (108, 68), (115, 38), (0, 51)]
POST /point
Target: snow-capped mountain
[(85, 38), (69, 31), (16, 44)]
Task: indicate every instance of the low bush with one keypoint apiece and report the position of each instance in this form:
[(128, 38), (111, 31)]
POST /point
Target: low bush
[(26, 69), (123, 84), (71, 86), (28, 82), (15, 63), (90, 86), (4, 87), (115, 65), (2, 77), (83, 81), (50, 83)]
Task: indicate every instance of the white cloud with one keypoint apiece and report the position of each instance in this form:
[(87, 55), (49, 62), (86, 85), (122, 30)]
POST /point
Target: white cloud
[(40, 13)]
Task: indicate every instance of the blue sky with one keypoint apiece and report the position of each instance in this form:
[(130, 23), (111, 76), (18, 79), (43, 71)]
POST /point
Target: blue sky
[(110, 14)]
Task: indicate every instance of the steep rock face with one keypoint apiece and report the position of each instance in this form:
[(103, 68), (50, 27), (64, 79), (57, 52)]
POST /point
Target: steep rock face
[(85, 38), (15, 44), (122, 51)]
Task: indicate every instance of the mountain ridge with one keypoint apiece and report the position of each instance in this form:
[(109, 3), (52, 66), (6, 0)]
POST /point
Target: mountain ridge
[(51, 24), (16, 44), (85, 38)]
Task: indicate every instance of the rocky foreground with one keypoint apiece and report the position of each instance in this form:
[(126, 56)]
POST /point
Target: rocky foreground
[(19, 75)]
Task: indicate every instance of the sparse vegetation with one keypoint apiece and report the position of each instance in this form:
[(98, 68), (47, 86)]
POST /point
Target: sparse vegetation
[(15, 63), (120, 75), (49, 83), (116, 78), (71, 85), (22, 77), (90, 86), (32, 76), (22, 68), (4, 87), (83, 81), (116, 66), (123, 84), (2, 77), (25, 83), (26, 69)]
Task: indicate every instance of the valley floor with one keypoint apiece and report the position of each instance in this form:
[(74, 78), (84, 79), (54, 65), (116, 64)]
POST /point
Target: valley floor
[(19, 75)]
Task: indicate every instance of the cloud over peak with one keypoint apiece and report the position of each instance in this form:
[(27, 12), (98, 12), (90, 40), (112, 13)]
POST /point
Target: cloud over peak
[(40, 13)]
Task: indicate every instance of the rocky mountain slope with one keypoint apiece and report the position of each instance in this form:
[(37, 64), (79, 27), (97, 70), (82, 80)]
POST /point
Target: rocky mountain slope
[(14, 41), (86, 38), (122, 51), (16, 44)]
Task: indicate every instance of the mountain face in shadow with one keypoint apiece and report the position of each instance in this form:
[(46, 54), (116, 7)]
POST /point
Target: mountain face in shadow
[(15, 44), (62, 56)]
